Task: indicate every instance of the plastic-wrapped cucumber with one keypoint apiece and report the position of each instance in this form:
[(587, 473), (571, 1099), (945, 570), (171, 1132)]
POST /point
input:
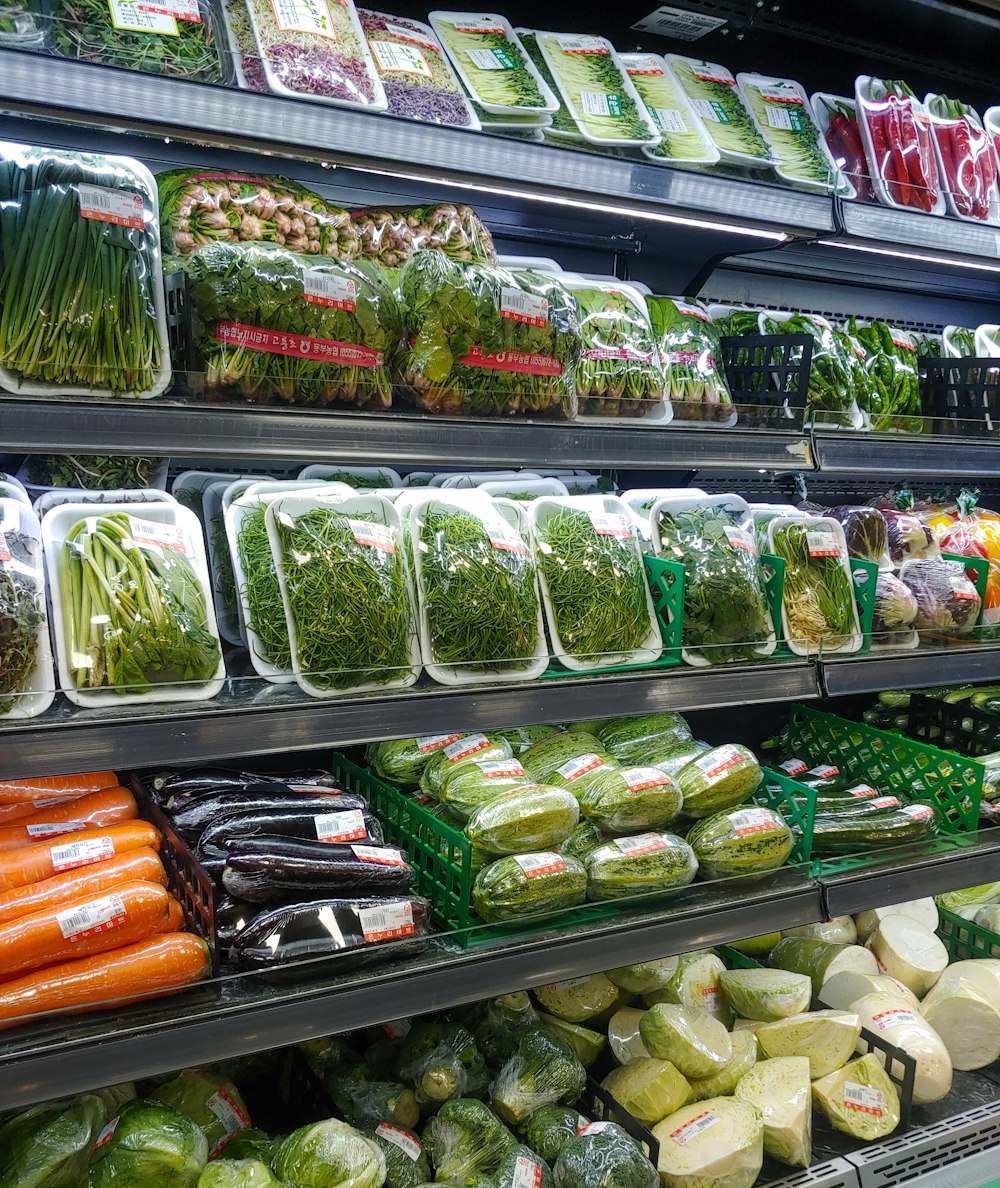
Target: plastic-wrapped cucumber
[(521, 738), (474, 784), (582, 842), (640, 865), (673, 758), (631, 739), (528, 884), (545, 758), (631, 799), (468, 747), (533, 817), (577, 774), (719, 779), (750, 840)]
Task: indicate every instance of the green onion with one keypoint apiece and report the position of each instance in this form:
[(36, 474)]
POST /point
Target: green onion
[(265, 612), (818, 599)]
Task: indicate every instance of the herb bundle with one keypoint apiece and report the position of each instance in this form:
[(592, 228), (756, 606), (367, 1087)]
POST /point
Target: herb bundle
[(21, 618), (347, 598), (92, 472), (818, 599), (135, 615), (262, 591), (619, 373), (477, 589), (725, 609), (77, 305), (691, 358), (595, 582)]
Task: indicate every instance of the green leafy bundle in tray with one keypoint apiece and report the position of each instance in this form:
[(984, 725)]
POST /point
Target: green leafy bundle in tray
[(22, 601), (818, 599), (265, 610), (92, 472), (619, 373)]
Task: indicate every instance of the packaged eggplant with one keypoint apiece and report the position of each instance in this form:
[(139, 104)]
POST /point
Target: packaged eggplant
[(335, 826), (192, 819), (268, 868), (188, 784), (231, 917), (296, 932)]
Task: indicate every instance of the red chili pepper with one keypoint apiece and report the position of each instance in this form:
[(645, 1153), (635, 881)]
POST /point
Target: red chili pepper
[(902, 148), (858, 166), (916, 153), (959, 165)]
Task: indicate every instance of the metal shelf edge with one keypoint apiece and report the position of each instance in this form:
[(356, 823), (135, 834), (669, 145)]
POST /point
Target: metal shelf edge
[(920, 457), (912, 670)]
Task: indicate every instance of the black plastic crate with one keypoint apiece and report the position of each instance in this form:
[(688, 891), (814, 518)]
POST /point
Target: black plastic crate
[(960, 727), (180, 335), (768, 376), (600, 1106), (963, 395)]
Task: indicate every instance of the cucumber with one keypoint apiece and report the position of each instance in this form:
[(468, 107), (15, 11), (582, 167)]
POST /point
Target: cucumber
[(533, 817), (841, 834), (544, 759), (640, 865), (631, 799), (466, 749), (672, 758), (742, 841), (719, 779), (843, 806), (474, 784), (527, 884)]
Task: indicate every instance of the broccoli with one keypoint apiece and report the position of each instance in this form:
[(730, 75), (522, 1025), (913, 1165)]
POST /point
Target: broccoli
[(542, 1071), (367, 1103), (550, 1128), (523, 1166), (465, 1138), (605, 1158), (440, 1061)]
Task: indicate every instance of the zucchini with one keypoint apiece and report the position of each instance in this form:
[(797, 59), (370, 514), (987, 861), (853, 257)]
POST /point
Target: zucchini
[(532, 817), (266, 868), (528, 884), (582, 842), (825, 776), (751, 840), (672, 758), (631, 740), (640, 865), (842, 834), (631, 799), (719, 779), (843, 806), (469, 748), (476, 783)]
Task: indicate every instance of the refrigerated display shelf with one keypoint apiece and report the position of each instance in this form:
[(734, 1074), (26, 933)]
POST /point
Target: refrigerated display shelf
[(39, 1062), (937, 240), (252, 717), (945, 665), (915, 457)]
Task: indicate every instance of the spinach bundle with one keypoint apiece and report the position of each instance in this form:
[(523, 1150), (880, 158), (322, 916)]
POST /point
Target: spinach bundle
[(273, 325), (725, 609), (619, 373), (135, 611), (818, 601), (80, 305), (22, 600), (477, 589), (487, 342), (347, 597)]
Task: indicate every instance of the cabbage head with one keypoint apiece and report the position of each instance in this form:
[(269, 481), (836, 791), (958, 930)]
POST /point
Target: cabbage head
[(238, 1173), (151, 1144), (330, 1154), (48, 1146)]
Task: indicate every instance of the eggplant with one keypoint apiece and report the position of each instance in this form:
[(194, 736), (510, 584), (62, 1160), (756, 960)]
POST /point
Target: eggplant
[(279, 936), (231, 916), (210, 779), (305, 823), (191, 820), (267, 868)]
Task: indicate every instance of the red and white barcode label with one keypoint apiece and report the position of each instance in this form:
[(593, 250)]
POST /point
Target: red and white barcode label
[(523, 307), (781, 92), (878, 960), (752, 820), (464, 747), (106, 1135), (53, 828), (862, 791), (4, 549), (641, 778), (904, 990), (111, 206), (885, 802), (894, 1017), (88, 919), (387, 921), (504, 537), (793, 767), (713, 72), (346, 826), (557, 987), (537, 866), (739, 538), (527, 1173), (397, 1028), (591, 1127), (572, 769), (149, 534), (426, 743), (399, 1138), (483, 26), (641, 843), (822, 542), (383, 855), (919, 812), (864, 1098), (571, 43), (610, 524), (82, 853), (720, 760), (229, 1112), (684, 1134), (183, 10), (375, 536), (710, 998), (330, 289), (416, 35), (824, 771), (499, 768)]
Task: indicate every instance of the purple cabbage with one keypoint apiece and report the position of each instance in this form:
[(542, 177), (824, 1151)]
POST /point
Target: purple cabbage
[(896, 607), (947, 602), (864, 531), (908, 537)]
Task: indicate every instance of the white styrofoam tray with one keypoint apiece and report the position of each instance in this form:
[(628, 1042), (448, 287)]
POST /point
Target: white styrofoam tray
[(38, 692)]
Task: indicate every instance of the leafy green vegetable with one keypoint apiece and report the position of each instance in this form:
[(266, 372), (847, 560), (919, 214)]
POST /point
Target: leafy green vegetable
[(713, 92), (593, 86), (787, 126), (562, 121), (648, 1088), (151, 1144), (523, 1165), (542, 1071), (692, 359), (237, 1173), (818, 599), (330, 1154), (49, 1146), (193, 1092), (406, 1163), (92, 472), (440, 1061), (618, 374), (492, 63), (249, 1144), (680, 139), (262, 591), (22, 615), (367, 1103), (469, 354)]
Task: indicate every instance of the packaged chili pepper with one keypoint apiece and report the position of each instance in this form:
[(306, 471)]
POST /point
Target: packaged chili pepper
[(837, 119), (896, 130), (966, 158)]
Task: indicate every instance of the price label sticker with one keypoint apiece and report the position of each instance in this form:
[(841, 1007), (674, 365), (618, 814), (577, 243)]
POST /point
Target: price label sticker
[(229, 1112), (414, 35), (106, 1135), (491, 59), (719, 760), (397, 1028), (864, 1098), (105, 205), (793, 767), (504, 537), (399, 1138), (862, 791), (428, 743), (739, 538), (387, 921), (89, 919), (81, 853), (894, 1017), (527, 1173), (329, 289), (464, 747), (641, 843), (304, 16), (824, 771), (886, 802), (710, 998), (591, 1127), (684, 1134), (183, 10), (570, 43), (500, 768), (641, 778), (752, 820), (147, 534), (393, 58), (610, 524), (822, 542), (537, 866), (600, 103), (345, 826), (573, 769), (373, 535), (382, 855), (647, 64), (4, 549), (919, 812), (46, 829), (519, 306)]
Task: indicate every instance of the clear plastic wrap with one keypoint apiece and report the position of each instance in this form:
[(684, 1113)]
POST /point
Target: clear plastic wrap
[(894, 385), (274, 326), (908, 537), (634, 739), (263, 613), (542, 1071), (780, 109), (247, 65), (603, 1155), (896, 130), (691, 1039), (79, 227), (838, 118), (715, 96), (947, 602), (405, 1158), (330, 1153), (831, 398), (533, 817), (465, 1140), (237, 1173), (641, 864), (459, 750), (51, 1143), (690, 355), (346, 592), (402, 760), (631, 799), (20, 26), (718, 1141), (394, 235), (475, 784), (682, 135), (966, 159), (181, 39), (486, 341), (864, 532), (546, 758), (896, 611), (974, 536), (528, 884), (26, 684), (210, 1100), (150, 1141)]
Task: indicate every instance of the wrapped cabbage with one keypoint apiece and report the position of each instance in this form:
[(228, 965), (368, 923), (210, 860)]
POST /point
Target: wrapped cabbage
[(947, 602), (779, 1090), (466, 1139), (766, 994), (908, 538), (210, 1100), (580, 999), (49, 1146), (644, 976), (864, 531), (603, 1156), (330, 1154), (550, 1128), (724, 1082), (152, 1143), (543, 1071), (711, 1143), (405, 1159), (366, 1103), (826, 1038), (859, 1099), (648, 1088), (695, 984), (238, 1173), (624, 1036), (586, 1044), (692, 1040)]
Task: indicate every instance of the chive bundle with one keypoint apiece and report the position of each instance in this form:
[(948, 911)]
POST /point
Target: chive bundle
[(348, 601), (818, 600), (262, 592), (76, 294), (480, 602)]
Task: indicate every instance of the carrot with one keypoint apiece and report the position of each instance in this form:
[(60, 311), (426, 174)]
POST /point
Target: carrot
[(96, 809), (41, 787), (9, 813), (83, 848), (153, 967), (142, 864), (128, 913)]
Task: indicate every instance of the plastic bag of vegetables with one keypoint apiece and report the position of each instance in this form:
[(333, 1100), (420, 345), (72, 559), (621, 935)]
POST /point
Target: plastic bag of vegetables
[(238, 1173), (402, 760), (25, 652), (546, 759), (406, 1163), (466, 748), (49, 1146), (477, 589), (947, 602), (488, 342), (603, 1155), (330, 1154), (895, 613), (542, 1071), (638, 738), (393, 235), (626, 800), (975, 536), (599, 610), (466, 1139), (891, 363), (692, 361), (908, 537), (864, 532), (530, 818), (346, 592), (725, 607), (150, 1143), (271, 325), (818, 610), (831, 397), (211, 1101), (441, 1061)]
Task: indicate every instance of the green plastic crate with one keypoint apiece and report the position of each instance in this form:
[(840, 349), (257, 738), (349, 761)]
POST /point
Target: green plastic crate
[(964, 940), (950, 783), (783, 794), (865, 575)]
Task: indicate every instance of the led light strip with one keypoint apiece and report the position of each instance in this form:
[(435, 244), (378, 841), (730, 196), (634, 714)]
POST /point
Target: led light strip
[(924, 258)]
